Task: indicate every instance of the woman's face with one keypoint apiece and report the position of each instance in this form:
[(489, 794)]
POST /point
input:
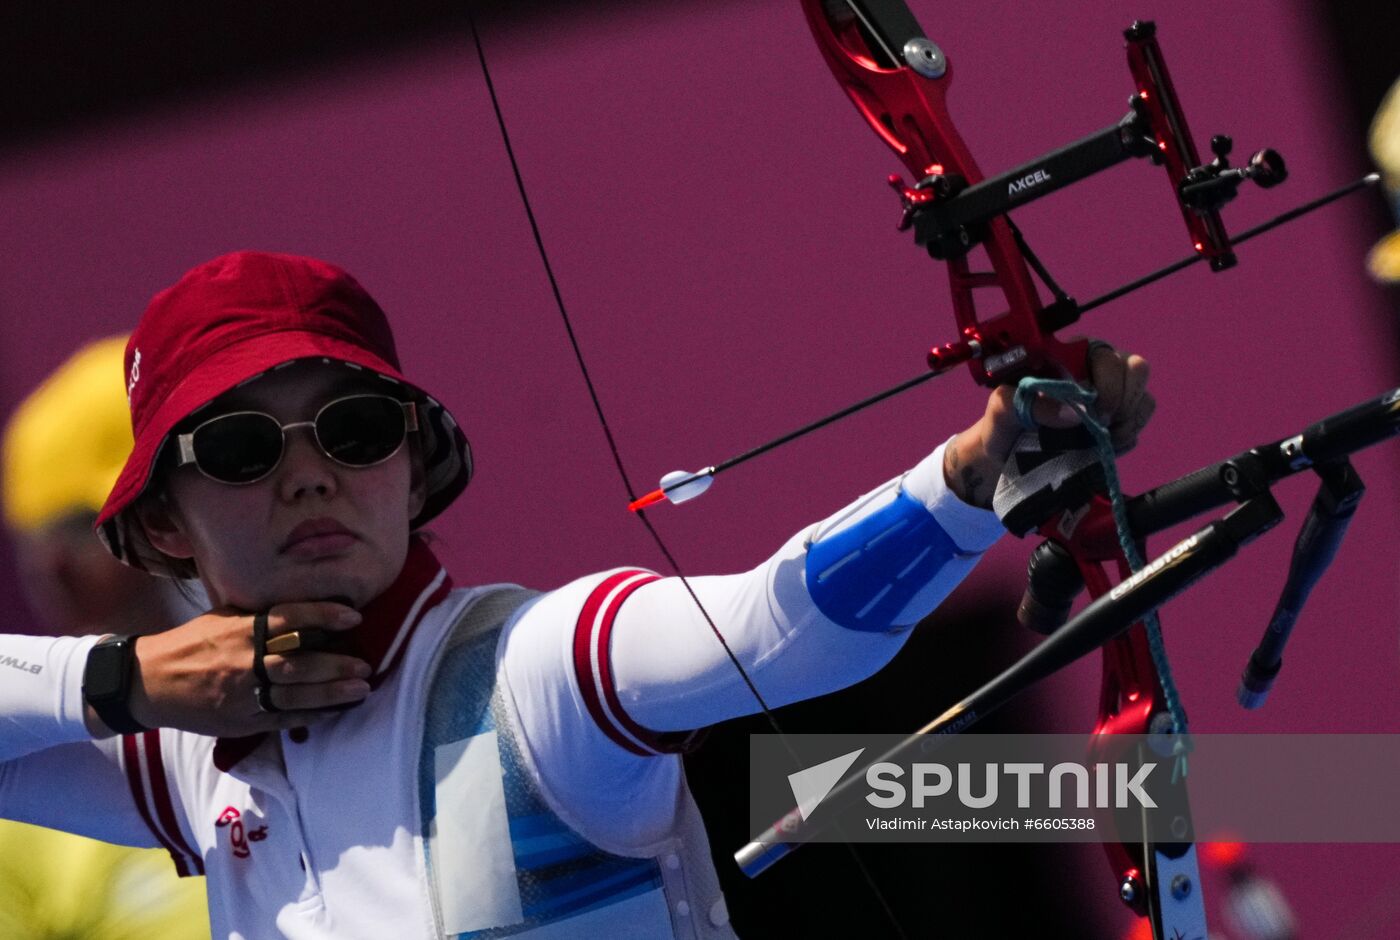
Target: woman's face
[(313, 529)]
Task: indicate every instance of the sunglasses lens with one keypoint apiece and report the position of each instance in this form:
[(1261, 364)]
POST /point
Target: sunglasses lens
[(361, 431), (238, 448)]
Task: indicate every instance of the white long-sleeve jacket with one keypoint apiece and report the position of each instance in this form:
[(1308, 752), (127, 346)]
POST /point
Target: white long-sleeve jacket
[(318, 836)]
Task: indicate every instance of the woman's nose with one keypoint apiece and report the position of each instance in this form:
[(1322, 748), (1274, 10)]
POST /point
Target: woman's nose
[(305, 469)]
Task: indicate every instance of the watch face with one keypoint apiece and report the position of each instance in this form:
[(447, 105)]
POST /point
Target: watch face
[(108, 673), (107, 683)]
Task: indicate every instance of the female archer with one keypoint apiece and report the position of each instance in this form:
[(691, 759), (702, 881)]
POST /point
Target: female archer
[(346, 744)]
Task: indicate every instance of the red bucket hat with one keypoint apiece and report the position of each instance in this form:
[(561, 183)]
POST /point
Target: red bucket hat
[(230, 320)]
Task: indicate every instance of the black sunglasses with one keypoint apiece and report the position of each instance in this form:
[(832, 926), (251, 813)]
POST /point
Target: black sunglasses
[(243, 447)]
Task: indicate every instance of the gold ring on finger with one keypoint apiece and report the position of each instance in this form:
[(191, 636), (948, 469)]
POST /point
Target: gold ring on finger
[(285, 643)]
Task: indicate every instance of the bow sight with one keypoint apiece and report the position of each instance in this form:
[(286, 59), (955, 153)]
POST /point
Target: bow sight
[(949, 216), (897, 78)]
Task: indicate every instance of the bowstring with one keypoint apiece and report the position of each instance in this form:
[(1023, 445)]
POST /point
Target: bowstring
[(616, 452), (588, 378)]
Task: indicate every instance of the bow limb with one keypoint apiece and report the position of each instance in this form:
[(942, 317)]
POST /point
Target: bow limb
[(898, 80)]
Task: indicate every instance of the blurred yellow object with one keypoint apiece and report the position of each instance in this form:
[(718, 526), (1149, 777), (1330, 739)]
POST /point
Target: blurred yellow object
[(67, 441), (1384, 260), (62, 449), (54, 886), (1385, 135)]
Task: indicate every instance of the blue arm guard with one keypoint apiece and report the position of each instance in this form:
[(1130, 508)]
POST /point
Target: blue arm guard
[(863, 576)]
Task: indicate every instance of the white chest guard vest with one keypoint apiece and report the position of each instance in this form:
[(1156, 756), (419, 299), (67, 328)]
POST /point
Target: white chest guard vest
[(542, 881)]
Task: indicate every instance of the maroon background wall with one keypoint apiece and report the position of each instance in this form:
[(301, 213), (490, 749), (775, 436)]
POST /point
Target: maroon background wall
[(719, 223)]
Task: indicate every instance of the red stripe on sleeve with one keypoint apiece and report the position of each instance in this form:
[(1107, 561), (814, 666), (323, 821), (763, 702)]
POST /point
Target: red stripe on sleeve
[(132, 758), (583, 662), (165, 806), (662, 742)]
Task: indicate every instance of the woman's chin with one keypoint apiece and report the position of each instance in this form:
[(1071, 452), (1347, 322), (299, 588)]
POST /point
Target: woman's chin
[(350, 589), (354, 579)]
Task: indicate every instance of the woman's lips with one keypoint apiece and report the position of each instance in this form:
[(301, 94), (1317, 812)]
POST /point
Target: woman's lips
[(318, 538)]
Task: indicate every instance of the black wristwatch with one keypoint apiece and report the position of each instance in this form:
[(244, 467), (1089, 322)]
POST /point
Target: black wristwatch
[(107, 683)]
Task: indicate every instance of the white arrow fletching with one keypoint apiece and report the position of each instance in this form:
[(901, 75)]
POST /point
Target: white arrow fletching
[(682, 485)]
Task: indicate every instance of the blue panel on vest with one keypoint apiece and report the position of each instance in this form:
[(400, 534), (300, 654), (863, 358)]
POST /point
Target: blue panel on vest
[(560, 874), (864, 575)]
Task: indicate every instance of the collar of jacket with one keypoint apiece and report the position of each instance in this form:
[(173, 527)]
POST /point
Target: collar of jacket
[(381, 638)]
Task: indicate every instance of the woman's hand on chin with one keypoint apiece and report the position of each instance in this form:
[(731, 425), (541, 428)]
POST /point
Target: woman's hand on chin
[(200, 676)]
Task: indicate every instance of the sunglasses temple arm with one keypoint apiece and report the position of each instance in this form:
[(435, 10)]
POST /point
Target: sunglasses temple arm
[(186, 445)]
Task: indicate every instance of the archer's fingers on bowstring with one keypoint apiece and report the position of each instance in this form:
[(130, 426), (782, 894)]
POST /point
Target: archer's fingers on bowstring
[(316, 615), (312, 699), (310, 680), (303, 668)]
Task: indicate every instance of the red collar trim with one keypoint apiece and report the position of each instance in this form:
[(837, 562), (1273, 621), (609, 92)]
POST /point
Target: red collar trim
[(392, 617), (382, 636)]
